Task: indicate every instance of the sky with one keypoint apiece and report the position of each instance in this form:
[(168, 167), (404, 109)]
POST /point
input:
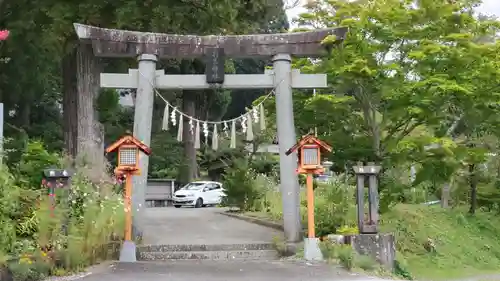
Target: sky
[(490, 7)]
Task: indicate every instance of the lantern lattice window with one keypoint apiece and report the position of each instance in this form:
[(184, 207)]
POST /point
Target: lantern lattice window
[(310, 156), (128, 156)]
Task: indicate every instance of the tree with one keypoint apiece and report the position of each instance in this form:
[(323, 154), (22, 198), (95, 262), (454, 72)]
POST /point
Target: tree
[(403, 76), (388, 70)]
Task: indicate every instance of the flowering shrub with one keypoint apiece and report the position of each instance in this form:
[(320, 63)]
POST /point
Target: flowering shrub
[(4, 34), (44, 235)]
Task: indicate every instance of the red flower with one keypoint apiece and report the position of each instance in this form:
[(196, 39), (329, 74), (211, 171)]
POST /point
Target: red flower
[(4, 34)]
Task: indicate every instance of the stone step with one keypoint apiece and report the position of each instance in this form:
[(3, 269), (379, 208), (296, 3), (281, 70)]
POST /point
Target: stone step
[(209, 255), (201, 247)]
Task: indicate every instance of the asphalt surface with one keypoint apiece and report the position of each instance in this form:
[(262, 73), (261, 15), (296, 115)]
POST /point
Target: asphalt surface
[(206, 226), (172, 226), (224, 271)]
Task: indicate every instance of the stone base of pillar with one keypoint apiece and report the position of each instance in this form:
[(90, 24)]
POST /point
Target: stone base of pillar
[(128, 252), (381, 247), (312, 252)]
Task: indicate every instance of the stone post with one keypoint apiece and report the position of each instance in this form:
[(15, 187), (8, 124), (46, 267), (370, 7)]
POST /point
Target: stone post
[(289, 185), (369, 225), (369, 242), (143, 114)]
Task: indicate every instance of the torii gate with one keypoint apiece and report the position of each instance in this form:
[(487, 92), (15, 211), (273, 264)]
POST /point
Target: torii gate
[(149, 47)]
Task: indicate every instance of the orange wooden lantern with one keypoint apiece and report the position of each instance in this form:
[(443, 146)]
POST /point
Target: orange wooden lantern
[(128, 149), (128, 154), (309, 150)]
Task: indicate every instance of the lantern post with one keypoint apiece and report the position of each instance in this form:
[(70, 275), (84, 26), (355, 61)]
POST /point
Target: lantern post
[(309, 150), (52, 179), (129, 149)]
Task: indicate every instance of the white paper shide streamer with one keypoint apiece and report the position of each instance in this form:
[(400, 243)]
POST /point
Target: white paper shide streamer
[(164, 123)]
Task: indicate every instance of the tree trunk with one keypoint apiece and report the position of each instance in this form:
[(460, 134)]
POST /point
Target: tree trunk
[(24, 120), (445, 192), (90, 131), (445, 195), (473, 188), (70, 106), (370, 116), (188, 138)]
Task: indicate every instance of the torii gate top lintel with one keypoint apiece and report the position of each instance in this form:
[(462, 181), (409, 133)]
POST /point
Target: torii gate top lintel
[(124, 43)]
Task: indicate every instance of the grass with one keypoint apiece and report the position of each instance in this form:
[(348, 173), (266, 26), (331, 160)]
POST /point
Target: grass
[(458, 245), (462, 245), (432, 243)]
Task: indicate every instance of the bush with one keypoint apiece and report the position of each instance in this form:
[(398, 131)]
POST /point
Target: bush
[(347, 257), (42, 237), (240, 189), (33, 161), (334, 204), (334, 207), (266, 187)]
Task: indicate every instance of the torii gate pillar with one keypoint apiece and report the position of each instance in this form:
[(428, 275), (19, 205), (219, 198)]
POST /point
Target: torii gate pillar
[(143, 114), (289, 185)]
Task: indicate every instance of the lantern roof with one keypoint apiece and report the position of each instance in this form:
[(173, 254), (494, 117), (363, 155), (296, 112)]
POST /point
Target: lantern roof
[(129, 140), (309, 139)]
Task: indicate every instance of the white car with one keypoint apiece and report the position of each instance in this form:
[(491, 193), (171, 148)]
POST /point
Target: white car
[(199, 194)]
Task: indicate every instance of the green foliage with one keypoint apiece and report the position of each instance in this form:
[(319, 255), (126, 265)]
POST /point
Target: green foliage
[(348, 230), (239, 187), (415, 227), (334, 207), (39, 241), (33, 161), (9, 196), (28, 270), (404, 89), (347, 257)]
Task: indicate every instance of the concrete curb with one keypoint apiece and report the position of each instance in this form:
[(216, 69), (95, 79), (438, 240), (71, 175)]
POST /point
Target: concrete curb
[(105, 266), (258, 221)]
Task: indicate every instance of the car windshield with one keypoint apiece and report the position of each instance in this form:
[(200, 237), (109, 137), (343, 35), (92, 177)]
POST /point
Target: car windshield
[(193, 186)]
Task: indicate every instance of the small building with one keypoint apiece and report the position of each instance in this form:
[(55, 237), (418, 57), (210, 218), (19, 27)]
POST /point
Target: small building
[(159, 192), (272, 148)]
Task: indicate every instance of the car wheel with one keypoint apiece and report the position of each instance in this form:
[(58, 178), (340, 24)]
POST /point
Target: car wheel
[(199, 203), (177, 206)]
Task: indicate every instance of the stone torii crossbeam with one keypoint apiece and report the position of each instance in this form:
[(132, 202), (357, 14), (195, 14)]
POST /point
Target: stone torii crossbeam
[(149, 47)]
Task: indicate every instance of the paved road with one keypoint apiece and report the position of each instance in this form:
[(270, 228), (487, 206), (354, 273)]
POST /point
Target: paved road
[(164, 226), (224, 271), (206, 226)]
